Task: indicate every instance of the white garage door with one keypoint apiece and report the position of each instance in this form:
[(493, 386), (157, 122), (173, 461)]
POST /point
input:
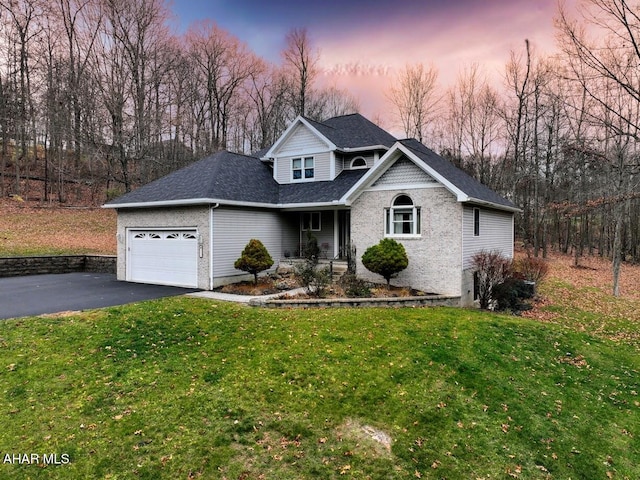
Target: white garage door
[(163, 257)]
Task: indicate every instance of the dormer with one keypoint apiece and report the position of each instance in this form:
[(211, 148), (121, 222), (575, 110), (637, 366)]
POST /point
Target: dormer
[(302, 154), (310, 151)]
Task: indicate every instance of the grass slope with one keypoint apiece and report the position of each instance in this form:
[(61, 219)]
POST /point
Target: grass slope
[(188, 388), (26, 229)]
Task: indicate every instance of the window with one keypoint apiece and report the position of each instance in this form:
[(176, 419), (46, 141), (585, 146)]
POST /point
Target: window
[(311, 221), (476, 222), (403, 218), (302, 168), (358, 162)]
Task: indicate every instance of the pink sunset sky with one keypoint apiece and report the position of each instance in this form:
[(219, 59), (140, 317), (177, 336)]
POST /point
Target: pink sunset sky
[(363, 44)]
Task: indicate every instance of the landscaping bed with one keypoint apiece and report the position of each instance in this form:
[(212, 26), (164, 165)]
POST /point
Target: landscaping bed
[(345, 287)]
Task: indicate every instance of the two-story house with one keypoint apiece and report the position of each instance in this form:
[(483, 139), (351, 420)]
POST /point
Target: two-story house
[(344, 180)]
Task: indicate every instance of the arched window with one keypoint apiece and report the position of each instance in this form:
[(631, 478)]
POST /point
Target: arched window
[(358, 162), (402, 218)]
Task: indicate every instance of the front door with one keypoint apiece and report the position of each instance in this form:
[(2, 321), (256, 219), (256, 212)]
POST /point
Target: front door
[(344, 232)]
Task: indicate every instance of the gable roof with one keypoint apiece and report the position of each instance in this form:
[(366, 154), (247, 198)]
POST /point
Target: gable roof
[(472, 188), (346, 132), (458, 182)]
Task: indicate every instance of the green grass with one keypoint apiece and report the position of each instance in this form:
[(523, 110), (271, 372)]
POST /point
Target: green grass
[(189, 388)]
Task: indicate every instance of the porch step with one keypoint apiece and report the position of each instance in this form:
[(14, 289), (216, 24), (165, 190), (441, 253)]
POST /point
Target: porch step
[(339, 267)]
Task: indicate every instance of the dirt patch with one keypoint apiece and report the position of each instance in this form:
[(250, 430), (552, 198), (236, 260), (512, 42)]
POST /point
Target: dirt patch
[(369, 440)]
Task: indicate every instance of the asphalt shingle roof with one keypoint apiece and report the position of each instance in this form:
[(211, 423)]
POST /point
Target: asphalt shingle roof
[(353, 131), (223, 175), (467, 184), (320, 191), (233, 177), (247, 179)]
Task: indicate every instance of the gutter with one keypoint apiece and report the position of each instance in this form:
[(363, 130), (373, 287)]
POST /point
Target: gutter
[(217, 202), (497, 206)]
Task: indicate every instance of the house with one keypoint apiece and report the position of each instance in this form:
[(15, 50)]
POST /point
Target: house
[(344, 180)]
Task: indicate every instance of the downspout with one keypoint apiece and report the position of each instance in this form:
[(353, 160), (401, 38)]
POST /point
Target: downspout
[(213, 207)]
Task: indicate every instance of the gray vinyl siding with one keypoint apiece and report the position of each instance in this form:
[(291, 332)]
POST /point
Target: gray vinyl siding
[(325, 236), (321, 166), (404, 171), (496, 233), (232, 230), (301, 140), (290, 234)]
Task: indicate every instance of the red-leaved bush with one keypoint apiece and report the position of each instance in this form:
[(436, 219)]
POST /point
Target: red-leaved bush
[(533, 269)]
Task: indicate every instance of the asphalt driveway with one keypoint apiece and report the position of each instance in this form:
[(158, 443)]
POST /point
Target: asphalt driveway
[(40, 294)]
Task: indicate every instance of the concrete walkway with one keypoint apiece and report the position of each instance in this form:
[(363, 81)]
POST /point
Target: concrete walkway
[(230, 297)]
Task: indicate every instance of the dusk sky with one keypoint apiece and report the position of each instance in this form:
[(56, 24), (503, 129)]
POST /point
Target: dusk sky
[(363, 44)]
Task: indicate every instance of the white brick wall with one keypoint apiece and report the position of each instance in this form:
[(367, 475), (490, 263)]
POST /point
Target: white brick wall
[(435, 259)]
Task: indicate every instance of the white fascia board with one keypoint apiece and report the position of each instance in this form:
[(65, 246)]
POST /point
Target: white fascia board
[(362, 149), (287, 133), (190, 202)]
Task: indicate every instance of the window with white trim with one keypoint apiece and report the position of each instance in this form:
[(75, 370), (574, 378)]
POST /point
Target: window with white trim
[(302, 168), (402, 218), (357, 163), (311, 221)]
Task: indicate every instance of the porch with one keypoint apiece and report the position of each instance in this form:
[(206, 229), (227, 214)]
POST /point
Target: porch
[(330, 228)]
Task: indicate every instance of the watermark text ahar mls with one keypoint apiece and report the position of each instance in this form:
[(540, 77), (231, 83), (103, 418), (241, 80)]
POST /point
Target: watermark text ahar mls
[(35, 458)]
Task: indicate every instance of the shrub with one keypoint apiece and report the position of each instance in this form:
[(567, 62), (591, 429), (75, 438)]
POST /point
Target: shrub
[(314, 280), (491, 269), (254, 259), (532, 269), (311, 250), (354, 287), (509, 295), (387, 258)]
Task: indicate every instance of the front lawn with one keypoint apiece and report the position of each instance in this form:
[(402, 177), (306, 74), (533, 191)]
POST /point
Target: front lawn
[(189, 388)]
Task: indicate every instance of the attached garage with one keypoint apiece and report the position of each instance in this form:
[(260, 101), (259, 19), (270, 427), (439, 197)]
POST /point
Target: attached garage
[(166, 257)]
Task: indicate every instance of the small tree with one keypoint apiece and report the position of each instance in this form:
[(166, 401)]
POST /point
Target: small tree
[(387, 258), (254, 259)]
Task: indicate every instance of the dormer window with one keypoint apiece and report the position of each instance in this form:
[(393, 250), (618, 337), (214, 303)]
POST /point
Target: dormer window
[(358, 162), (402, 219), (302, 168)]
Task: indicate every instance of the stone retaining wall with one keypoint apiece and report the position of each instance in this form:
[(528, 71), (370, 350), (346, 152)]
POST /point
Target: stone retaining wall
[(19, 266), (430, 300)]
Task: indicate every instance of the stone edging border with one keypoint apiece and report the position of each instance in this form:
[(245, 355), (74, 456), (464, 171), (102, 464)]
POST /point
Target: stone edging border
[(429, 300)]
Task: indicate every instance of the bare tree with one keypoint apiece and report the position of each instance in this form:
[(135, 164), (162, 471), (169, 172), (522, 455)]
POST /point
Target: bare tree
[(414, 96), (302, 60), (602, 52), (331, 102), (473, 123), (24, 16), (223, 64), (270, 109)]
